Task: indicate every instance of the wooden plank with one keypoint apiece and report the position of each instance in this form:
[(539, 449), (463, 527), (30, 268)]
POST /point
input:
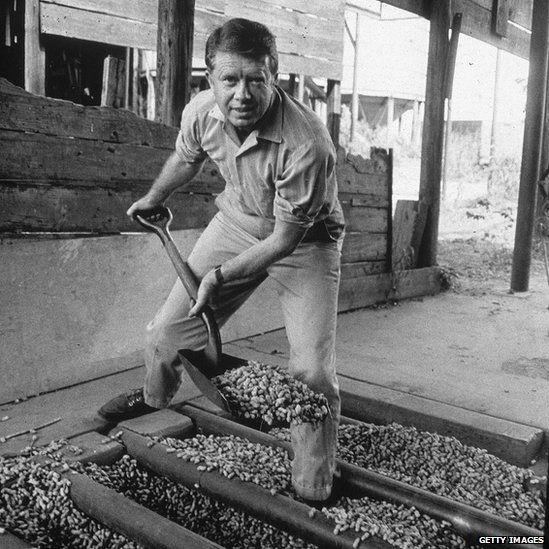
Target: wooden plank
[(39, 156), (364, 218), (362, 268), (310, 66), (114, 81), (22, 111), (325, 9), (174, 59), (513, 442), (364, 247), (63, 161), (403, 226), (379, 161), (164, 423), (364, 291), (145, 11), (57, 208), (34, 68), (124, 515), (216, 6), (316, 37), (97, 27)]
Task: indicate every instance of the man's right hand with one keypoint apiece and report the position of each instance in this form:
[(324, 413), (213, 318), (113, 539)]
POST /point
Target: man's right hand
[(143, 204)]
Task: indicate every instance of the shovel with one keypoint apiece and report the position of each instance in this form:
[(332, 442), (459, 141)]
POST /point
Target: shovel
[(204, 364)]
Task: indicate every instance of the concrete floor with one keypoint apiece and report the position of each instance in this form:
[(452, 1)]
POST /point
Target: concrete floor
[(486, 353)]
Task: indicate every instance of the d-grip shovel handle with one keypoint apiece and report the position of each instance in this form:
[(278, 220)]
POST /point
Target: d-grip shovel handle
[(158, 220)]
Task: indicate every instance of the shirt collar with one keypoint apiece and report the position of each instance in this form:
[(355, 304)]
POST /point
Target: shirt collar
[(270, 126)]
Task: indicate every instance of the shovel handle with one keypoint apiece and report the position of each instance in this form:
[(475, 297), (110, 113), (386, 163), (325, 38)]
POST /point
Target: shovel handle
[(158, 220), (182, 269)]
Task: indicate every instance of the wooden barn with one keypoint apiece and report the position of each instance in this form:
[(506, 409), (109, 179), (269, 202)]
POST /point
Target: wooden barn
[(91, 94)]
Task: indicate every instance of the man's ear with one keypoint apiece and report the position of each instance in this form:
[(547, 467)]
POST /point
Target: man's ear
[(208, 76)]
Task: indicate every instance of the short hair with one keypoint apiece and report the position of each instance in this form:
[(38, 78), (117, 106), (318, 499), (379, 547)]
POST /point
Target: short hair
[(248, 38)]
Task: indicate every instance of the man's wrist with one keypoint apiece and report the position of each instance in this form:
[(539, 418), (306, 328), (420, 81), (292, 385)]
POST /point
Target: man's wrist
[(219, 275)]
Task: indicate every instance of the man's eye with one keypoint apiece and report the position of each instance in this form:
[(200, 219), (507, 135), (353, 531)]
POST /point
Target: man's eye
[(229, 79)]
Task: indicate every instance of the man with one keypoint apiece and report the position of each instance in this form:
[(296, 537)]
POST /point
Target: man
[(279, 216)]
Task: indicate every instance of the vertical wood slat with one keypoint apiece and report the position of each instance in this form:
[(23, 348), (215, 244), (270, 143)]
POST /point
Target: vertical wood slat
[(334, 109), (174, 59), (34, 54), (433, 128), (114, 82)]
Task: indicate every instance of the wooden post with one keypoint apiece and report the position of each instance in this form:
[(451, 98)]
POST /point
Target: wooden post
[(390, 121), (174, 59), (531, 148), (433, 128), (34, 56), (500, 16), (356, 92), (415, 125), (136, 56), (448, 87), (496, 113), (291, 85), (333, 107), (301, 88)]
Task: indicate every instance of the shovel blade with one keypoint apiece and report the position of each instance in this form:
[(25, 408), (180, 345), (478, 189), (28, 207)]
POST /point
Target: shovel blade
[(196, 365)]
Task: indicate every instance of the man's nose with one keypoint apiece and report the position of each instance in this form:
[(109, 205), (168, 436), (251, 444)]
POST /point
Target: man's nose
[(242, 90)]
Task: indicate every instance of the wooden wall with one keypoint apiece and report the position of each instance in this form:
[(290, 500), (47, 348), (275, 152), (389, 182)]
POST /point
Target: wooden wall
[(80, 282), (316, 50)]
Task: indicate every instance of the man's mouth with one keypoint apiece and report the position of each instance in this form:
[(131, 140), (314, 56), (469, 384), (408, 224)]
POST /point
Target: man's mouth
[(243, 110)]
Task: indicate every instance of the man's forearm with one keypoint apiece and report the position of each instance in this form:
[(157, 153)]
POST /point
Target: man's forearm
[(174, 174), (256, 259)]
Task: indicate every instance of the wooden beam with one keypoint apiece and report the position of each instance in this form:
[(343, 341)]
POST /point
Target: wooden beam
[(174, 59), (356, 92), (334, 109), (531, 148), (501, 17), (433, 128), (34, 54)]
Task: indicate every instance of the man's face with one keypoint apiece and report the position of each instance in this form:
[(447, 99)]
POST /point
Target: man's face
[(243, 88)]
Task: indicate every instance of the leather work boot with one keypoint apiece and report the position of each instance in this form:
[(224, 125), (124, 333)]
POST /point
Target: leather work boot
[(125, 406)]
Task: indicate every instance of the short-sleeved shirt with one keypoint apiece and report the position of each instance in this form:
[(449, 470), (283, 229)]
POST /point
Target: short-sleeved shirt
[(284, 169)]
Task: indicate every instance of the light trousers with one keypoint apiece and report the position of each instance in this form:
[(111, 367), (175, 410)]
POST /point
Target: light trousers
[(307, 283)]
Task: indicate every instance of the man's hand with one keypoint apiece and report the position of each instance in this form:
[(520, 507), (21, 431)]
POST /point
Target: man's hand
[(143, 204), (207, 289), (175, 173)]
